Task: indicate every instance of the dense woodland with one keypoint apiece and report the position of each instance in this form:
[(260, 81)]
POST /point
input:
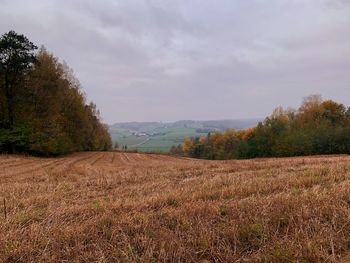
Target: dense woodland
[(42, 107), (317, 127)]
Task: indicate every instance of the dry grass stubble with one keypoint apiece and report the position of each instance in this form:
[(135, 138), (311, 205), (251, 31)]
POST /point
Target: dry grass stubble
[(131, 207)]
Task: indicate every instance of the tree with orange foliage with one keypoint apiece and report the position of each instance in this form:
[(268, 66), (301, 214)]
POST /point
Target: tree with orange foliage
[(317, 127)]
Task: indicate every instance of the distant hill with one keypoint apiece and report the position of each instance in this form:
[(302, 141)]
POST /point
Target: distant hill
[(160, 136), (219, 125)]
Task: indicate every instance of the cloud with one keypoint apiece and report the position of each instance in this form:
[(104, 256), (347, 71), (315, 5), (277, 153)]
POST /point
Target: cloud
[(197, 59)]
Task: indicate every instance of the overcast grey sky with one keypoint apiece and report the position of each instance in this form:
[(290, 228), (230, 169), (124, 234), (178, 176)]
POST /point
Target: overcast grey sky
[(165, 60)]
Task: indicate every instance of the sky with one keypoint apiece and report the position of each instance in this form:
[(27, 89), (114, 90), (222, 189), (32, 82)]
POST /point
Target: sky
[(168, 60)]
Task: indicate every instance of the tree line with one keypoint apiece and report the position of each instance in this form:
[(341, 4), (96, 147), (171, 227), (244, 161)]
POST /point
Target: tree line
[(43, 110), (316, 127)]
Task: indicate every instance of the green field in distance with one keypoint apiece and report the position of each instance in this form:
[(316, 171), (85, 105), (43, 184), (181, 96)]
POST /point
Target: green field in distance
[(159, 136)]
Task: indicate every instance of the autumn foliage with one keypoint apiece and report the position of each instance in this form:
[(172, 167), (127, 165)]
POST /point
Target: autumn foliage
[(42, 107), (317, 127)]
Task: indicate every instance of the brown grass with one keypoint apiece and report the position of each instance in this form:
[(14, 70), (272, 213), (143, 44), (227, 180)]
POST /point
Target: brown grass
[(131, 207)]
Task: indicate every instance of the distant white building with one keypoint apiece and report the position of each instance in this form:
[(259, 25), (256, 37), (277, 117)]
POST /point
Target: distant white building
[(139, 134)]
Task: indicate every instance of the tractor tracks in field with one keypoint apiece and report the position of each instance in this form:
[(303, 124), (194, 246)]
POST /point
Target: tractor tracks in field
[(38, 166), (13, 167)]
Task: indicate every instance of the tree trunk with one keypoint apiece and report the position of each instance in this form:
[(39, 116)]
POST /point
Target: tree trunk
[(9, 102)]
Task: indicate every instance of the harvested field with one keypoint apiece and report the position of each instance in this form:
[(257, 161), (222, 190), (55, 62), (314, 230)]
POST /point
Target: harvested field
[(131, 207)]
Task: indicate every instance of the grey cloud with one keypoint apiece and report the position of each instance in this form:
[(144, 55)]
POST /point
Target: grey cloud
[(195, 59)]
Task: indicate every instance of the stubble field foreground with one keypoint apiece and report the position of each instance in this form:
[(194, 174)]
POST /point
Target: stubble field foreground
[(131, 207)]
